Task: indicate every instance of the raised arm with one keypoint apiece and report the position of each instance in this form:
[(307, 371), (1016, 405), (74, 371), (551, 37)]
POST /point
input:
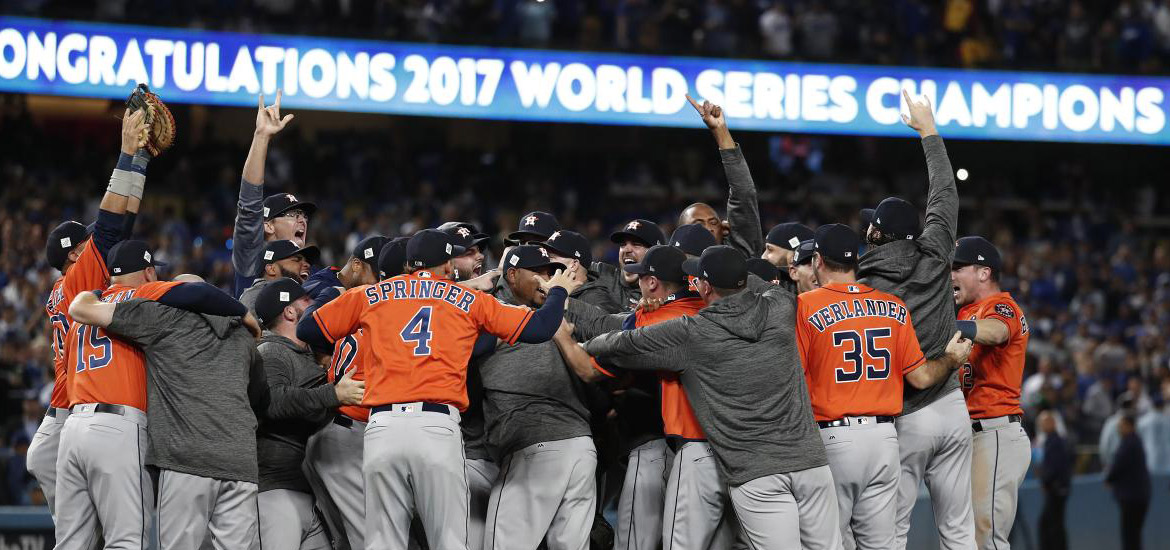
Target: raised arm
[(248, 234), (658, 347), (942, 199), (203, 298), (591, 321), (745, 232)]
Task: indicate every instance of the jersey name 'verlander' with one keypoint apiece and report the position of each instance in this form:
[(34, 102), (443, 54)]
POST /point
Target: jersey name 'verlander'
[(421, 289), (850, 309)]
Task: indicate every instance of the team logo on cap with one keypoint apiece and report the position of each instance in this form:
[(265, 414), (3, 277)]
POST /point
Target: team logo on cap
[(66, 242), (268, 254), (266, 211), (369, 252), (530, 220), (463, 232), (146, 256), (543, 252), (290, 197), (554, 236), (514, 260), (633, 225), (793, 242), (284, 296)]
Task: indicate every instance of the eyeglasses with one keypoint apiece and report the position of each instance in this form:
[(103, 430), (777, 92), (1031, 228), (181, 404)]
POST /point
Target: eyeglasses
[(296, 215)]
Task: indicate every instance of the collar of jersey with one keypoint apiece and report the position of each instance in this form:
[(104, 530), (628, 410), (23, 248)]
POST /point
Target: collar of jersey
[(843, 288)]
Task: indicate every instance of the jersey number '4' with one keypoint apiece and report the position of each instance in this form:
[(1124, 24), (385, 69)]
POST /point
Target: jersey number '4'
[(855, 356), (418, 331), (94, 349)]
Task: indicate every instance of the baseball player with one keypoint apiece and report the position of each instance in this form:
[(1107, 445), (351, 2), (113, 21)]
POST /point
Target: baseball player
[(780, 246), (571, 248), (633, 240), (421, 329), (738, 363), (81, 261), (696, 508), (991, 381), (301, 401), (282, 258), (469, 265), (764, 270), (912, 261), (856, 345), (534, 227), (538, 428), (800, 271)]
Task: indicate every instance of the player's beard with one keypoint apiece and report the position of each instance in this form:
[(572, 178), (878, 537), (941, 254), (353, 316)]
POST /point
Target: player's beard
[(299, 277)]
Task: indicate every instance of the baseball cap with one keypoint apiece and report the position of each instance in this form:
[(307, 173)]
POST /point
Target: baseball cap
[(975, 250), (789, 235), (662, 261), (129, 257), (763, 269), (720, 265), (804, 252), (838, 243), (429, 248), (529, 256), (392, 258), (275, 296), (62, 239), (276, 205), (692, 239), (570, 244), (895, 217), (535, 225), (465, 234), (645, 231), (367, 250), (280, 249)]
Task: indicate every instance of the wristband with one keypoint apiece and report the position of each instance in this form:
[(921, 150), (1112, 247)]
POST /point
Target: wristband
[(128, 178), (967, 329)]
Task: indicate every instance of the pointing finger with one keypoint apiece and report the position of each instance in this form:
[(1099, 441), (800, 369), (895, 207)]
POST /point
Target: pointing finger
[(694, 103), (260, 105)]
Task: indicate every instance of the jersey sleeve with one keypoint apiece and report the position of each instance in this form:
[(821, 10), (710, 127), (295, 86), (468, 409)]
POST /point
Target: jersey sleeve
[(502, 320), (154, 290), (910, 354), (1008, 313), (88, 273), (141, 321), (340, 316)]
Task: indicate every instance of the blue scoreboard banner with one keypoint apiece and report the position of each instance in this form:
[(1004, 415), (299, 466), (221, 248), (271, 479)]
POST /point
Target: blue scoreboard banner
[(221, 68)]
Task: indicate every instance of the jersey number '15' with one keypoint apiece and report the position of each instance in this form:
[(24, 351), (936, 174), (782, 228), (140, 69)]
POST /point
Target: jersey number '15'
[(94, 349), (857, 358), (418, 331)]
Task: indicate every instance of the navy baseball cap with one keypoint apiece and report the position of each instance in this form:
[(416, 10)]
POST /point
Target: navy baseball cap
[(129, 257), (275, 296), (62, 240), (529, 256), (895, 217), (662, 261), (721, 265), (534, 226), (429, 248), (570, 244), (837, 243), (392, 258), (763, 269), (466, 235), (789, 235), (692, 238), (367, 250), (804, 252), (280, 249), (276, 205), (644, 231), (975, 250)]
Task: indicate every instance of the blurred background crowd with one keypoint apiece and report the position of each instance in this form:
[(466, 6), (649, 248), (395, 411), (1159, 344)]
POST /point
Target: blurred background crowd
[(1082, 227)]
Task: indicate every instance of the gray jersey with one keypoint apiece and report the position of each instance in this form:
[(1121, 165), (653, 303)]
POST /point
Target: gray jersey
[(919, 271), (624, 296), (248, 232), (743, 209), (594, 291), (739, 365), (202, 374), (248, 297)]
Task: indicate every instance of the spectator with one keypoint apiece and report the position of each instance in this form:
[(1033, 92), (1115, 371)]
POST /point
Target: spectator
[(1098, 402), (818, 31), (776, 31), (1055, 473), (1045, 375), (535, 21), (1154, 429), (1129, 480), (1110, 439)]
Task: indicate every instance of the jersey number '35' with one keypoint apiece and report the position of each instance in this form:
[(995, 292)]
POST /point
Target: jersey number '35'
[(854, 355)]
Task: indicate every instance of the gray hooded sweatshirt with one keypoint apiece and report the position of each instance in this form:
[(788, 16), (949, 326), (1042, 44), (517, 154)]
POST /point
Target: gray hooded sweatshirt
[(739, 365), (919, 271)]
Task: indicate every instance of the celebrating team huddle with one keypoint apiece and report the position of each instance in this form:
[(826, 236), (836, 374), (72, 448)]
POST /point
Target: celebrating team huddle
[(767, 390)]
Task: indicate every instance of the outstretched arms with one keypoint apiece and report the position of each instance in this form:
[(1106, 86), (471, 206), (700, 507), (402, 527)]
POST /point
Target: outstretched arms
[(942, 199)]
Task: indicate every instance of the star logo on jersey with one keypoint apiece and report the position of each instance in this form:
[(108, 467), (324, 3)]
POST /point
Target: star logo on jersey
[(463, 232), (633, 225), (530, 220)]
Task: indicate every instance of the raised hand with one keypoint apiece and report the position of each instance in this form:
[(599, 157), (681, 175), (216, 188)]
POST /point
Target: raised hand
[(921, 117), (134, 131), (564, 278), (348, 390), (268, 119), (712, 116), (566, 330)]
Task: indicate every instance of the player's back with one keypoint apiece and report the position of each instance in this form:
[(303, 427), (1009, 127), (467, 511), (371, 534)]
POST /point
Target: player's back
[(856, 343), (102, 368)]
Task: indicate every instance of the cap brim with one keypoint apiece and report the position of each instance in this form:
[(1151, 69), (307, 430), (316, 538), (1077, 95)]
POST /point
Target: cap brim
[(308, 207), (618, 236), (691, 267), (636, 269), (457, 250), (515, 236), (481, 240)]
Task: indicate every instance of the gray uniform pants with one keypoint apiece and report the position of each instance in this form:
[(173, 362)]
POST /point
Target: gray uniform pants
[(545, 492), (192, 507), (333, 457), (481, 475), (102, 480), (864, 459), (1000, 458), (641, 502), (934, 443), (697, 513), (790, 511), (288, 521), (41, 458), (414, 463)]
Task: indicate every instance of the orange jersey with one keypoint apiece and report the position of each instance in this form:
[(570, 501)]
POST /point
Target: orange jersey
[(420, 331), (87, 273), (993, 374), (350, 353), (856, 344), (678, 419), (103, 368)]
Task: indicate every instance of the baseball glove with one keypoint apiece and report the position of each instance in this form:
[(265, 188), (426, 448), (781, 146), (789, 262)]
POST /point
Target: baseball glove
[(161, 123)]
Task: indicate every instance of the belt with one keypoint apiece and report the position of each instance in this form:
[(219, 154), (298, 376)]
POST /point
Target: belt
[(54, 412), (426, 407), (846, 422), (977, 425), (111, 409), (676, 442), (343, 421)]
